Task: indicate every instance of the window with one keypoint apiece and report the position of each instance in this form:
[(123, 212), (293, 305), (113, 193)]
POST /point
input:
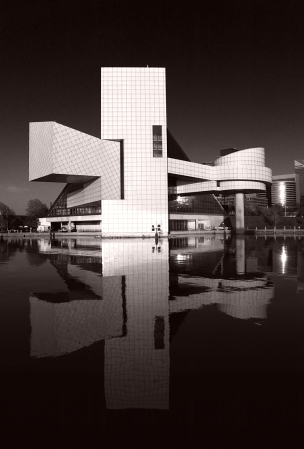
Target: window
[(157, 141), (204, 203), (178, 225)]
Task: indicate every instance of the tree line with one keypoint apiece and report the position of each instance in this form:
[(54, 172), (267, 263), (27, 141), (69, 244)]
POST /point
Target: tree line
[(272, 215), (35, 209)]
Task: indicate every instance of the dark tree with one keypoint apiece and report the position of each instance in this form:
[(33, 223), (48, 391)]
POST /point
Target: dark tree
[(6, 214), (274, 214), (300, 214), (35, 209), (16, 222), (250, 209)]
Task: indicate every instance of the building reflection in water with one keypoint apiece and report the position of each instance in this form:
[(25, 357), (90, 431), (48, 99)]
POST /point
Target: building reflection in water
[(286, 257), (137, 366), (123, 292), (239, 292), (130, 312), (283, 258)]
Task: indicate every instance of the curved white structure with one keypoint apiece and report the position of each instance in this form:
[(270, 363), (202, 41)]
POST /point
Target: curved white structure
[(244, 171), (238, 172)]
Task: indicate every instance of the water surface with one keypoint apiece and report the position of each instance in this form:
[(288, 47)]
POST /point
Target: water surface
[(129, 342)]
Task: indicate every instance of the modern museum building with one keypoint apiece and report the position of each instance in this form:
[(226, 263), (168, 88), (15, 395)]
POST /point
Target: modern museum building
[(136, 178)]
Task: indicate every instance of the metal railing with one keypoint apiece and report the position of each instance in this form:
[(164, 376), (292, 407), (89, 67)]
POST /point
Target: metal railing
[(276, 231)]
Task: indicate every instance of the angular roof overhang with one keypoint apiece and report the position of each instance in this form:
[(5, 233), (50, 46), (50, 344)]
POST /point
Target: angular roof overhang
[(65, 178)]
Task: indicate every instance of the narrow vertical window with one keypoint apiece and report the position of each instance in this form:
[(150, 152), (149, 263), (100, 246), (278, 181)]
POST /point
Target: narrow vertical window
[(157, 141)]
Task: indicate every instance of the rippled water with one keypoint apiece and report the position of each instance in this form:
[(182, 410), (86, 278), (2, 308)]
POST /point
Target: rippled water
[(133, 343)]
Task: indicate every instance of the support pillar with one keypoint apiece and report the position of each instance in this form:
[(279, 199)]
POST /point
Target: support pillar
[(239, 213)]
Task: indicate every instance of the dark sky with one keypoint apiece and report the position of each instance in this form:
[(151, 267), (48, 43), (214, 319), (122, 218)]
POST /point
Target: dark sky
[(235, 75)]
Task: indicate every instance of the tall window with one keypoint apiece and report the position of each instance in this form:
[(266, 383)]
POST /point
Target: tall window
[(157, 141)]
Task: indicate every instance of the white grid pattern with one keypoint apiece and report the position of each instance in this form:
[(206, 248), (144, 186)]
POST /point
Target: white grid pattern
[(132, 101), (241, 171), (58, 150), (251, 156), (41, 149)]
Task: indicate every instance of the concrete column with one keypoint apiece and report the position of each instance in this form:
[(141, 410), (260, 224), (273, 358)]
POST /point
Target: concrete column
[(239, 213)]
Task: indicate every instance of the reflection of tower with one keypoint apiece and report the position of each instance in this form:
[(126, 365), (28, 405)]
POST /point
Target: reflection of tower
[(285, 258), (239, 213), (240, 255), (137, 366)]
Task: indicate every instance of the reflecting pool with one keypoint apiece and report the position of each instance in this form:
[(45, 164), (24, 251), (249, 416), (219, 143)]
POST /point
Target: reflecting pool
[(144, 344)]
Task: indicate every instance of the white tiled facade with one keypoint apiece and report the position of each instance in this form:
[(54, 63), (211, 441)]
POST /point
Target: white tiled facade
[(132, 101), (62, 154), (126, 171), (243, 170)]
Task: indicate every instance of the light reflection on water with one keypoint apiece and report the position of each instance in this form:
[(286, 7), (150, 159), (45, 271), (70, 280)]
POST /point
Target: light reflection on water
[(161, 314)]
